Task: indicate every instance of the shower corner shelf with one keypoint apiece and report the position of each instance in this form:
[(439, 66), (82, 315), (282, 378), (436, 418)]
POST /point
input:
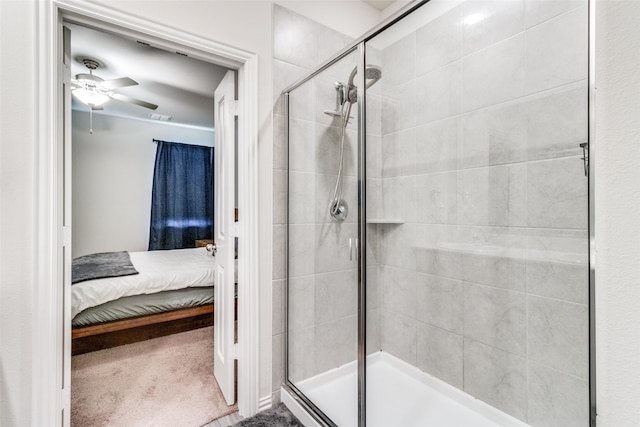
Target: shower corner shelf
[(385, 221)]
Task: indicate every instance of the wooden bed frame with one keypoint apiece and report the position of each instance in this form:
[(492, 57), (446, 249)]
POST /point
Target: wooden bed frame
[(127, 331)]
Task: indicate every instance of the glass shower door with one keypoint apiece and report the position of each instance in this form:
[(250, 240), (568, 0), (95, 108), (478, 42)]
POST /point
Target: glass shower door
[(322, 286), (477, 216)]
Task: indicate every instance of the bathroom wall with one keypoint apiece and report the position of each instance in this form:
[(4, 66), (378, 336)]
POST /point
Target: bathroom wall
[(484, 284)]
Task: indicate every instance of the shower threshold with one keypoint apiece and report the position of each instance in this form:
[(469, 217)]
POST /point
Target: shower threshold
[(398, 394)]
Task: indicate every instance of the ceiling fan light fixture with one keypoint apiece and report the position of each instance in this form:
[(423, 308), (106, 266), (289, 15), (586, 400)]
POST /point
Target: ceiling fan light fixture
[(90, 96)]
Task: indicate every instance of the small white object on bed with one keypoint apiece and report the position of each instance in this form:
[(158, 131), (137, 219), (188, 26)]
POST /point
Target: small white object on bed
[(159, 271)]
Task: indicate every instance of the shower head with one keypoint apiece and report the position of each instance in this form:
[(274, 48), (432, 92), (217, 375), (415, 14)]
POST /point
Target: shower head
[(371, 72)]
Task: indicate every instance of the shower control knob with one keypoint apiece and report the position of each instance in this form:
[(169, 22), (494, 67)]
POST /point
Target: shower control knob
[(339, 210)]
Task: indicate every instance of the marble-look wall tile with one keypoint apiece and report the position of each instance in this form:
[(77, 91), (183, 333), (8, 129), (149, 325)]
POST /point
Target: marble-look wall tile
[(332, 247), (496, 377), (556, 194), (277, 355), (558, 335), (558, 279), (437, 198), (440, 302), (374, 156), (398, 154), (283, 75), (302, 250), (556, 399), (493, 196), (328, 149), (493, 75), (438, 93), (302, 156), (335, 295), (279, 257), (397, 246), (496, 317), (280, 144), (398, 199), (439, 42), (302, 41), (301, 305), (374, 287), (486, 22), (336, 343), (557, 265), (440, 353), (440, 262), (324, 191), (556, 51), (437, 146), (301, 354), (374, 333), (279, 196), (302, 198), (398, 290), (538, 11), (557, 122), (495, 135), (277, 307), (398, 336), (302, 101), (398, 61), (501, 269), (399, 106)]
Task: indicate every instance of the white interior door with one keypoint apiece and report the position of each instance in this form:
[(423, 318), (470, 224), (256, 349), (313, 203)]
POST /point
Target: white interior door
[(225, 233), (65, 216)]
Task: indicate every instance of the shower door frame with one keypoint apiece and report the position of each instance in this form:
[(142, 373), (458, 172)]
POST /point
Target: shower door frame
[(360, 45)]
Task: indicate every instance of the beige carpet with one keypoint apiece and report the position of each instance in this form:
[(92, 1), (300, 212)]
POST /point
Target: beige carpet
[(166, 381)]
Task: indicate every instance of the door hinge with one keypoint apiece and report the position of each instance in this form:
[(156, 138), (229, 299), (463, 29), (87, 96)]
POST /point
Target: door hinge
[(66, 236), (235, 351), (235, 106)]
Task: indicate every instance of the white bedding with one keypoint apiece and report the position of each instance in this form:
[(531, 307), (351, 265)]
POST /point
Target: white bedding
[(159, 271)]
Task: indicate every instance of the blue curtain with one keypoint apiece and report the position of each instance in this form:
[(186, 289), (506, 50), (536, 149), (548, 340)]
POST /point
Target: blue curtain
[(182, 196)]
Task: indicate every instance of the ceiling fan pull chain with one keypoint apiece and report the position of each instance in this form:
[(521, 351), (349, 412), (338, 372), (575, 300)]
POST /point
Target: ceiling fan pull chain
[(90, 120)]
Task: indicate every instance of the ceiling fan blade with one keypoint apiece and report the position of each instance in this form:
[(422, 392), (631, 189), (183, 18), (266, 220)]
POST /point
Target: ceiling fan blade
[(116, 83), (126, 98)]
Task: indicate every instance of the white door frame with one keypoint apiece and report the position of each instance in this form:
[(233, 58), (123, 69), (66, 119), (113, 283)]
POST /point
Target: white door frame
[(50, 377)]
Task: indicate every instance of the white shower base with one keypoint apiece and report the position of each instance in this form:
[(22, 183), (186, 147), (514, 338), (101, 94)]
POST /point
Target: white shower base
[(398, 394)]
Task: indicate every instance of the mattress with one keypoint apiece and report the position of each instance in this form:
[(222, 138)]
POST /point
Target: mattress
[(159, 271), (142, 305)]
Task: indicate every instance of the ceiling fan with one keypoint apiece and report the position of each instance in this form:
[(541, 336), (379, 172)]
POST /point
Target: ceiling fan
[(95, 91)]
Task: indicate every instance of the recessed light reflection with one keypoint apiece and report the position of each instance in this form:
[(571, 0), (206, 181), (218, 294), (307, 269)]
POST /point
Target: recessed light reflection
[(474, 18)]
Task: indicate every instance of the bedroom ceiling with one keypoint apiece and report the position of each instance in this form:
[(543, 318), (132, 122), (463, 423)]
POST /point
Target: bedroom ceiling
[(182, 87)]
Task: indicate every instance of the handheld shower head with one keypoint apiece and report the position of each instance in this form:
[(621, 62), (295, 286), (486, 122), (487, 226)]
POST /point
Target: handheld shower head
[(371, 72)]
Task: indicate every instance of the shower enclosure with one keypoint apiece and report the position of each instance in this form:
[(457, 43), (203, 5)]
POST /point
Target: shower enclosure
[(438, 234)]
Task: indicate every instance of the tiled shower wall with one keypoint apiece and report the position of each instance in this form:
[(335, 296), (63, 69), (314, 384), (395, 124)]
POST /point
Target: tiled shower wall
[(322, 323), (485, 283)]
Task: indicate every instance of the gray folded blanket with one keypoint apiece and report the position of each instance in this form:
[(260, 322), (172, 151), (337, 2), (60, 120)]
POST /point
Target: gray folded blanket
[(101, 265)]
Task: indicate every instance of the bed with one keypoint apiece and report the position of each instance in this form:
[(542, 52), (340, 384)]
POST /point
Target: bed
[(166, 292)]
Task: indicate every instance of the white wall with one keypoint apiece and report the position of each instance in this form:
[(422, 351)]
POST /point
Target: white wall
[(17, 210), (617, 216), (113, 177)]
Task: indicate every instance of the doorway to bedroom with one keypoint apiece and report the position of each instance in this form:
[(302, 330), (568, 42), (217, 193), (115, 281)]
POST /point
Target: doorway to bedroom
[(146, 145)]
